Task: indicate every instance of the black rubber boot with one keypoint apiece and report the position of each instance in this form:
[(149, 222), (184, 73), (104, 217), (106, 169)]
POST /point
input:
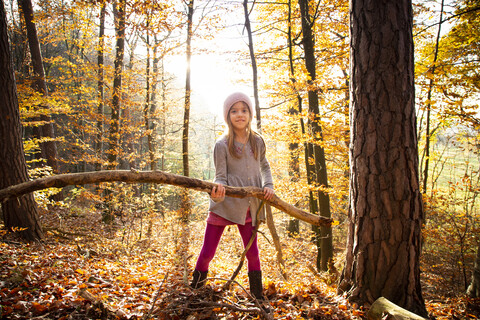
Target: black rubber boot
[(199, 279), (256, 287)]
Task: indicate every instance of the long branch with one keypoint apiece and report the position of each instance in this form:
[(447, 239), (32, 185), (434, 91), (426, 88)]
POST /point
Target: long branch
[(62, 180)]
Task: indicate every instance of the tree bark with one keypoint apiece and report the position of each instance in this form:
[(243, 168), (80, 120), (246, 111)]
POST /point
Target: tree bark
[(59, 181), (324, 235), (18, 214), (386, 213)]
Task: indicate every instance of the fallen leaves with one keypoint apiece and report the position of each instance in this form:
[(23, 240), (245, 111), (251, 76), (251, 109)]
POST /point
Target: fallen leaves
[(126, 279)]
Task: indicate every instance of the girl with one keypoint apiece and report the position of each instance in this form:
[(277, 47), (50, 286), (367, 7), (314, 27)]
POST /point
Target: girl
[(239, 158)]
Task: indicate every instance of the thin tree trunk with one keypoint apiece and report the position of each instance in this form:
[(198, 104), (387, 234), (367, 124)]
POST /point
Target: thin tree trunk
[(146, 109), (254, 65), (129, 176), (153, 108), (163, 114), (293, 111), (128, 142), (429, 104), (324, 237), (186, 117), (18, 214), (473, 290), (100, 88), (47, 131), (119, 17), (386, 213)]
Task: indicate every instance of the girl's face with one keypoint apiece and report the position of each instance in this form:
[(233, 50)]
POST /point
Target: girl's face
[(240, 116)]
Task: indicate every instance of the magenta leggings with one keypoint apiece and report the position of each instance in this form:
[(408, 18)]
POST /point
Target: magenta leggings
[(212, 237)]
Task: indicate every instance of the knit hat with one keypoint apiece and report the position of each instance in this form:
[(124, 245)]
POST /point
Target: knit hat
[(234, 98)]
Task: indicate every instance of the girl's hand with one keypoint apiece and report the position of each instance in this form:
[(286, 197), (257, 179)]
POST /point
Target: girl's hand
[(268, 192), (218, 193)]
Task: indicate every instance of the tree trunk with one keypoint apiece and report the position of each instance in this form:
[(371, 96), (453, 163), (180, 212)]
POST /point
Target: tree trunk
[(429, 103), (148, 95), (473, 290), (62, 180), (186, 206), (324, 235), (100, 88), (186, 116), (294, 163), (152, 136), (119, 17), (383, 245), (21, 213), (49, 148), (254, 65)]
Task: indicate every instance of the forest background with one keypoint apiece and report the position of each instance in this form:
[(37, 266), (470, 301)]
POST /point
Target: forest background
[(175, 75)]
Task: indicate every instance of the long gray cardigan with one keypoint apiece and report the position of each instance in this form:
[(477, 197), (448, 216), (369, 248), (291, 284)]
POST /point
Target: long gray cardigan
[(240, 172)]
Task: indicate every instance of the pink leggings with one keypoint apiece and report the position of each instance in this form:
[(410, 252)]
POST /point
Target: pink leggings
[(212, 237)]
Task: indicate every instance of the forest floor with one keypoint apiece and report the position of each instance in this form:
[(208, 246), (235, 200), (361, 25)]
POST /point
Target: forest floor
[(86, 269)]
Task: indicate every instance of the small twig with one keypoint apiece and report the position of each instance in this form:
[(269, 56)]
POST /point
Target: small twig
[(145, 317), (64, 233), (264, 237), (262, 311), (229, 306), (276, 241), (313, 270)]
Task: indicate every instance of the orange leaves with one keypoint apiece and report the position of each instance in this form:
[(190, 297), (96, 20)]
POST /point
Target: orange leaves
[(139, 280), (80, 271), (46, 281), (38, 308)]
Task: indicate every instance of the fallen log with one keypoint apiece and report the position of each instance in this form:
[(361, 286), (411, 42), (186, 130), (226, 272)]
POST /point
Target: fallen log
[(62, 180), (383, 309)]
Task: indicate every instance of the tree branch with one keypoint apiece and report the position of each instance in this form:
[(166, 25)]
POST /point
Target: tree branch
[(62, 180)]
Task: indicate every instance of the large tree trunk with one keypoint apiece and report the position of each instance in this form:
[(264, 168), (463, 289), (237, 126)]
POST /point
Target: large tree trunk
[(324, 235), (49, 148), (63, 180), (21, 213), (119, 17), (383, 245)]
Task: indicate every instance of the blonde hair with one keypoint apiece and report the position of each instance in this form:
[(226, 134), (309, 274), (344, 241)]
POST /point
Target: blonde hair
[(252, 137)]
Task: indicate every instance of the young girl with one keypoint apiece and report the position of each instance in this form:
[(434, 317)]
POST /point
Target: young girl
[(239, 158)]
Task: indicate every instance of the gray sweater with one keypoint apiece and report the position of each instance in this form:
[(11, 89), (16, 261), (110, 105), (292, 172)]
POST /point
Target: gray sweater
[(240, 172)]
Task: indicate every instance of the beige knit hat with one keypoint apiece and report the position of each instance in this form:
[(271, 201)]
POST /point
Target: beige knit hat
[(234, 98)]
